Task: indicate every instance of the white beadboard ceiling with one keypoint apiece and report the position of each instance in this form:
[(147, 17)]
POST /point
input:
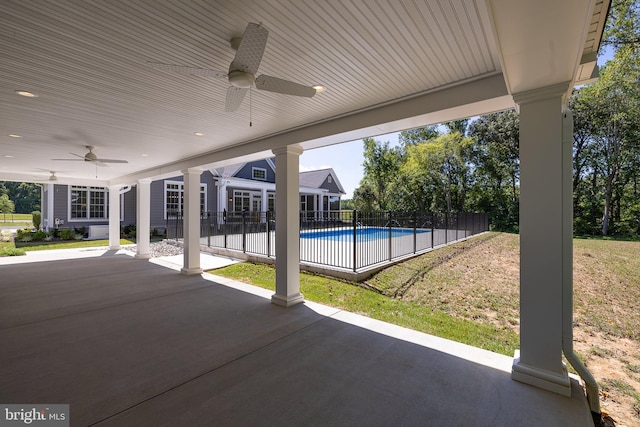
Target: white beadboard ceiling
[(386, 66)]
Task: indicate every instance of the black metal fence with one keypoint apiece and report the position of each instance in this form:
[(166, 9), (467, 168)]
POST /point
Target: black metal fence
[(344, 239)]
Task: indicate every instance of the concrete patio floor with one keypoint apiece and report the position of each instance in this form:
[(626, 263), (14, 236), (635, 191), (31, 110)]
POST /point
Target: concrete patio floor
[(127, 342)]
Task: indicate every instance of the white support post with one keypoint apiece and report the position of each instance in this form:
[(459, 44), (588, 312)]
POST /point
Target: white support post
[(143, 218), (191, 221), (542, 246), (114, 217), (50, 206), (287, 227)]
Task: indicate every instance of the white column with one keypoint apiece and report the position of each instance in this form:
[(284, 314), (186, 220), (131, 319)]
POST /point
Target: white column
[(542, 246), (143, 218), (50, 206), (191, 221), (287, 227), (222, 195), (114, 217)]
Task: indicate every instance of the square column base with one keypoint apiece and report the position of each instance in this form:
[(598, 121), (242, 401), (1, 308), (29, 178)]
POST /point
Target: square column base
[(559, 384), (287, 301), (142, 256), (191, 271), (115, 248)]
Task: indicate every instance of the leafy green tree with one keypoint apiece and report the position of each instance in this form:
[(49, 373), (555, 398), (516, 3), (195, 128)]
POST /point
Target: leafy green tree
[(6, 205), (26, 195), (496, 161), (438, 173), (417, 136), (381, 166)]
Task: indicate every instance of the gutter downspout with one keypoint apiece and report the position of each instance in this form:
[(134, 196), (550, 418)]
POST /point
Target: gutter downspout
[(593, 396)]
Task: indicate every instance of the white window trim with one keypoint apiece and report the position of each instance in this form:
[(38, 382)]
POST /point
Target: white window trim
[(180, 189), (88, 189), (253, 173)]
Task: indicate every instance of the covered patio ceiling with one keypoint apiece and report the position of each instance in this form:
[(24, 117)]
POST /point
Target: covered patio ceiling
[(385, 66)]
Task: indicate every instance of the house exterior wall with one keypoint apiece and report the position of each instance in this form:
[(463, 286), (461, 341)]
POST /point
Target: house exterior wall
[(331, 186), (246, 172)]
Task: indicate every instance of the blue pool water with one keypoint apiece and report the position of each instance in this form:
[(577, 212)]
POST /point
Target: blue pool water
[(363, 234)]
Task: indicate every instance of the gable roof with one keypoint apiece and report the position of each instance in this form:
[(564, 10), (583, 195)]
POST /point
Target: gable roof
[(315, 178)]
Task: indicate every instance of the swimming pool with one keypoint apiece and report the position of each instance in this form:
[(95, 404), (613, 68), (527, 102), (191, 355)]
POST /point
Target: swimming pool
[(363, 234)]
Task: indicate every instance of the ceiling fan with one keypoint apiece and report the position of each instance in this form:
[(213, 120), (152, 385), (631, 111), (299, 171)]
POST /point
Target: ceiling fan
[(242, 71), (52, 177), (91, 157)]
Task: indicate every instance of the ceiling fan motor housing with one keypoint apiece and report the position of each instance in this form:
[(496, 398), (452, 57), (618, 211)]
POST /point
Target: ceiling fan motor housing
[(241, 79)]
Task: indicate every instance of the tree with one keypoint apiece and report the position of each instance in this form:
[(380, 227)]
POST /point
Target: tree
[(6, 205), (438, 173), (26, 195), (381, 166), (496, 158)]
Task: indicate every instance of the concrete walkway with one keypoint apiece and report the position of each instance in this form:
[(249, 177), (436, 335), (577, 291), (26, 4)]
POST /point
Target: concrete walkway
[(128, 342)]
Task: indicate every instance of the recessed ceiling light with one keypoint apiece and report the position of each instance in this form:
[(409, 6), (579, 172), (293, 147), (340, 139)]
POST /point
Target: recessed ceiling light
[(8, 156), (26, 93), (15, 135), (198, 133), (319, 88), (145, 155)]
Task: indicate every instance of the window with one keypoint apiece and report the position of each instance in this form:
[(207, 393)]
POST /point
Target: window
[(271, 202), (250, 201), (86, 203), (174, 198), (329, 179), (259, 173)]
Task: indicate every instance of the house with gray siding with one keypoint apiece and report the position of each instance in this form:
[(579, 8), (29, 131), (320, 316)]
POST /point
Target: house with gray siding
[(243, 187)]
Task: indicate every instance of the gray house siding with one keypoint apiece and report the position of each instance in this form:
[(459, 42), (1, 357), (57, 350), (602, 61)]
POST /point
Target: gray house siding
[(331, 186), (246, 171), (128, 202)]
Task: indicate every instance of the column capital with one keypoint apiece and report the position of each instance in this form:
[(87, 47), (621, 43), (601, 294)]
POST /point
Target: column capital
[(192, 171), (542, 93), (145, 181), (289, 149)]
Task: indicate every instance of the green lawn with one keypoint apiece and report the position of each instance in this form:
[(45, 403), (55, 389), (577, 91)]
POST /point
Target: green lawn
[(363, 301), (9, 249)]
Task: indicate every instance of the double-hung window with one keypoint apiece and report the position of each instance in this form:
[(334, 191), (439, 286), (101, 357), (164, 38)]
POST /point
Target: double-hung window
[(174, 198), (87, 203)]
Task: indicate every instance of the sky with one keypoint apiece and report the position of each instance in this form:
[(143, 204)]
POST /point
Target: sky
[(346, 159)]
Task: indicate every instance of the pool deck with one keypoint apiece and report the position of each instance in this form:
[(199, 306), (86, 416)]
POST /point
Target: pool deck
[(127, 342)]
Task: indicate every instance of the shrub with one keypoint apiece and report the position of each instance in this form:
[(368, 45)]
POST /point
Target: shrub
[(22, 232), (81, 230), (39, 235), (25, 238), (66, 234), (78, 236), (36, 218), (5, 235)]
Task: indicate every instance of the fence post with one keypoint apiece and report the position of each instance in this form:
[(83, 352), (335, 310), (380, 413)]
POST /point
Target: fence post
[(433, 228), (268, 216), (354, 222), (224, 226), (390, 236), (457, 225), (244, 234), (208, 229), (415, 226), (446, 227)]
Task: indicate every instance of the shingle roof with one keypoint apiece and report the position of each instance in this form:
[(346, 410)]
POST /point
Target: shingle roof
[(315, 179)]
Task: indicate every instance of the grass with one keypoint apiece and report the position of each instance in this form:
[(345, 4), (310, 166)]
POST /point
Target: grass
[(10, 249), (363, 301), (16, 217)]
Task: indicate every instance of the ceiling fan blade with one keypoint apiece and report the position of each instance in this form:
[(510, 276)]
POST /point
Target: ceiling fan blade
[(110, 161), (249, 53), (184, 69), (235, 95), (274, 84), (71, 160)]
